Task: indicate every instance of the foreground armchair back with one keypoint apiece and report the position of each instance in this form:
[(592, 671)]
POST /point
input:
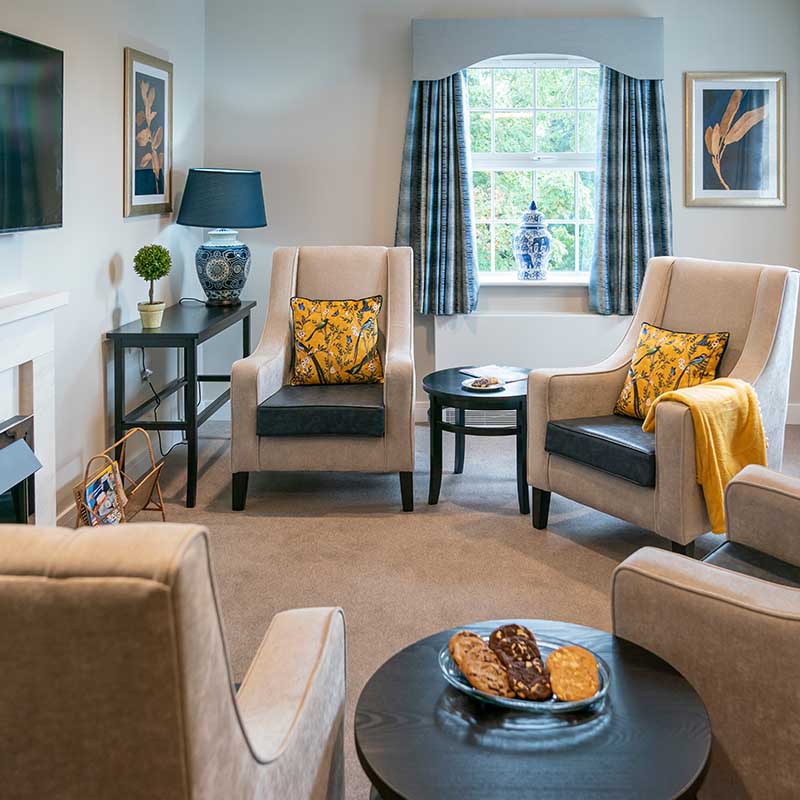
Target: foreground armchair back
[(329, 273), (116, 682), (604, 460), (733, 633)]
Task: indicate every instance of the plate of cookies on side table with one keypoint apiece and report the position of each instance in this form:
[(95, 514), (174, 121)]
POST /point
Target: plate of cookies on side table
[(509, 667)]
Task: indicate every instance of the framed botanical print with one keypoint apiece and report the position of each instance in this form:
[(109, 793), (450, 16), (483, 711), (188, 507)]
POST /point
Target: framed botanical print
[(148, 134), (735, 139)]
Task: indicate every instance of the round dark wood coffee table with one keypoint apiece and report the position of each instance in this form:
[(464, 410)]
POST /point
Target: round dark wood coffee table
[(418, 738), (445, 391)]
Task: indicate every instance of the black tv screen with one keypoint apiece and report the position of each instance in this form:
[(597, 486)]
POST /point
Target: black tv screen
[(31, 134)]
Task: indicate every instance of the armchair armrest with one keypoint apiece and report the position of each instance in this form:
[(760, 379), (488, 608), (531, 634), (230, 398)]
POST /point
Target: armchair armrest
[(762, 508), (253, 380), (292, 700), (568, 394), (727, 634)]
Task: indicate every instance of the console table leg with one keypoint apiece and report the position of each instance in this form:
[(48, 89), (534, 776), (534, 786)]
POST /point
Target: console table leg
[(461, 438), (190, 415), (436, 452), (119, 396), (522, 459)]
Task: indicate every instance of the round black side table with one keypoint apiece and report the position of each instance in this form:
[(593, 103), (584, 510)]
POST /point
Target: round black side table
[(445, 391), (418, 738)]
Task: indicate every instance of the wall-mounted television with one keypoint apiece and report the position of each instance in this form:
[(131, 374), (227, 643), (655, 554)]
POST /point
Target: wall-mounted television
[(31, 134)]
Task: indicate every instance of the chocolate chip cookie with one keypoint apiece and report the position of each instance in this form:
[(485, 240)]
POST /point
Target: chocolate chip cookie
[(528, 681), (461, 643), (517, 649), (573, 673), (507, 631), (483, 670)]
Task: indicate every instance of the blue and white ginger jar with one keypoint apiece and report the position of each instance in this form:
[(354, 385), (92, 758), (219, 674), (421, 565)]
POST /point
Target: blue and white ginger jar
[(531, 245)]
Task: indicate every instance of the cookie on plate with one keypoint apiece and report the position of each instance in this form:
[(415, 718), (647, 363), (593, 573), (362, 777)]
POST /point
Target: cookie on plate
[(517, 649), (483, 670), (528, 681), (507, 631), (461, 643), (573, 673)]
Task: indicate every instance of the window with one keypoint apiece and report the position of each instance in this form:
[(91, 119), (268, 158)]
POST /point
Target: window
[(533, 126)]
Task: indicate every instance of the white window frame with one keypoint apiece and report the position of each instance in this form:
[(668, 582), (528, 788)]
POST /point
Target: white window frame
[(576, 162)]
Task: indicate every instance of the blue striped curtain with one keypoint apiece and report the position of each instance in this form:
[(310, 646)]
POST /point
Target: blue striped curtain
[(434, 214), (634, 205)]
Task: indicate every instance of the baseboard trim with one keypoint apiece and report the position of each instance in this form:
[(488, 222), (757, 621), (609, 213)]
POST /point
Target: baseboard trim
[(421, 411), (793, 414)]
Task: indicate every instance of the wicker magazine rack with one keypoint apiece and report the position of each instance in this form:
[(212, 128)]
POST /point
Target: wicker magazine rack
[(132, 495)]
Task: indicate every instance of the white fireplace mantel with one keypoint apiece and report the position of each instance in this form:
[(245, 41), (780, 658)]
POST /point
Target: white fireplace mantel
[(27, 346)]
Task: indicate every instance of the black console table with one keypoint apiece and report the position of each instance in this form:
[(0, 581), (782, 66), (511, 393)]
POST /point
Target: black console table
[(185, 327)]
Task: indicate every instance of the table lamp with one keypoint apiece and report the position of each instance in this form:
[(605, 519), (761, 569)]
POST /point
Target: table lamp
[(225, 200)]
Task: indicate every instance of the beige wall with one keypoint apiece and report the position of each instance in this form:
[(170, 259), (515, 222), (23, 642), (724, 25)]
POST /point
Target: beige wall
[(320, 107), (91, 255)]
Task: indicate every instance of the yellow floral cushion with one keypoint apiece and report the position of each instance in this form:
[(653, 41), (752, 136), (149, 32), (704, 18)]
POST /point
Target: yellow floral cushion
[(336, 341), (665, 360)]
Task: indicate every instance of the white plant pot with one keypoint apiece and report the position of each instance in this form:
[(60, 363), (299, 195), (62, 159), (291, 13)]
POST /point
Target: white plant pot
[(151, 314)]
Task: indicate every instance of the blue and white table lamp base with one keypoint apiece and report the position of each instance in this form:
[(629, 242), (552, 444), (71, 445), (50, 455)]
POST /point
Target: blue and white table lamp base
[(223, 199)]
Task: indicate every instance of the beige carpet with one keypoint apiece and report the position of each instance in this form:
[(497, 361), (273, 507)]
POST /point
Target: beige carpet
[(323, 539)]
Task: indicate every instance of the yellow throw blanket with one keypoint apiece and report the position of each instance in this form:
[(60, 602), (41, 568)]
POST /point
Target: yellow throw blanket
[(728, 432)]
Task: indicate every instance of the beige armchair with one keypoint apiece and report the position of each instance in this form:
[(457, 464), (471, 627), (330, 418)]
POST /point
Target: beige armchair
[(116, 682), (578, 448), (328, 273), (734, 636)]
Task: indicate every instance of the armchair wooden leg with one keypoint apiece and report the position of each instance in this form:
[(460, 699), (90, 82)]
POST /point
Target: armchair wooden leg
[(239, 490), (540, 508), (407, 490), (683, 549)]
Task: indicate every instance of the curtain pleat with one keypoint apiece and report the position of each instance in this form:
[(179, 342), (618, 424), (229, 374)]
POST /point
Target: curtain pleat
[(633, 203), (434, 215)]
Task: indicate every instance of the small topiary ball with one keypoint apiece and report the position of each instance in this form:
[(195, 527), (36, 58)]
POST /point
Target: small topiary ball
[(152, 262)]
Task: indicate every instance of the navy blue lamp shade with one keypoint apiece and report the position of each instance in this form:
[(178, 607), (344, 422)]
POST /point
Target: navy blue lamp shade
[(223, 199)]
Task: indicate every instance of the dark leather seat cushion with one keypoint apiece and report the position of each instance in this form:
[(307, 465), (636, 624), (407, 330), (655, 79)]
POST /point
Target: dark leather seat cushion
[(614, 444), (339, 410), (741, 558)]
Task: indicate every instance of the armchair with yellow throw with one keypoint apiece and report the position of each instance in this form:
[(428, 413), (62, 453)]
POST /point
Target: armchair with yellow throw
[(580, 449)]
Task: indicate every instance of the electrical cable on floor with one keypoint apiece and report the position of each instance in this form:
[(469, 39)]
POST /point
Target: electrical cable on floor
[(146, 375)]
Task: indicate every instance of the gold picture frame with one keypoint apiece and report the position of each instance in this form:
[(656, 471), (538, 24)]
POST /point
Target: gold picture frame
[(147, 157), (746, 112)]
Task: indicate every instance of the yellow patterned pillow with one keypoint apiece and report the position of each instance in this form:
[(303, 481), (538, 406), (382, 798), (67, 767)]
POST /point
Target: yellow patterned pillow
[(336, 341), (665, 360)]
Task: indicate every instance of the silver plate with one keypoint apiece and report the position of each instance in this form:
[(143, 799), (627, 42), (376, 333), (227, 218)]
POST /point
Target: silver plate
[(455, 678), (496, 387)]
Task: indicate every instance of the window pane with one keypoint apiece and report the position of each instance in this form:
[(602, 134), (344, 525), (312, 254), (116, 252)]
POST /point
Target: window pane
[(482, 192), (480, 131), (483, 236), (513, 132), (562, 248), (555, 131), (555, 88), (587, 131), (479, 88), (503, 256), (586, 195), (588, 88), (513, 191), (556, 193), (586, 247), (513, 88)]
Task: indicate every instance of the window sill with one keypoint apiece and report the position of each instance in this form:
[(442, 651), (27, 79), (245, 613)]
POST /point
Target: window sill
[(553, 280)]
